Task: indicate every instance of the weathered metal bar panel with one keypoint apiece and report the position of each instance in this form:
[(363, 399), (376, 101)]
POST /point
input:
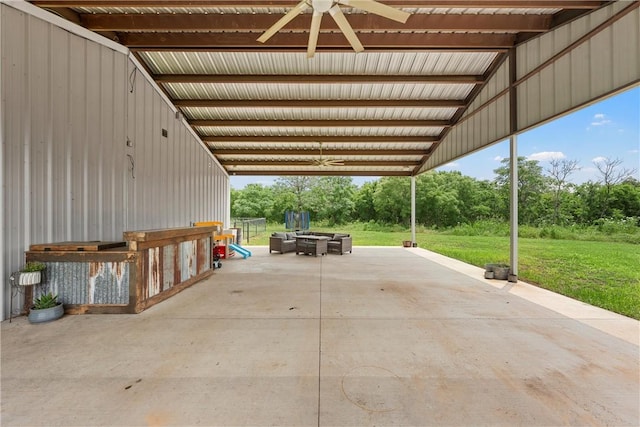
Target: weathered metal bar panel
[(204, 255), (187, 260), (168, 263), (87, 282), (153, 272)]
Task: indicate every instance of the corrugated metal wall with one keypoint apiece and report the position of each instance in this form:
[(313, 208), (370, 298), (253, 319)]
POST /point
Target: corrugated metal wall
[(606, 62), (69, 106)]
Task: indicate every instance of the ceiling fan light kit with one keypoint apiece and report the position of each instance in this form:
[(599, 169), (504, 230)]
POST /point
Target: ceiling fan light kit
[(320, 7)]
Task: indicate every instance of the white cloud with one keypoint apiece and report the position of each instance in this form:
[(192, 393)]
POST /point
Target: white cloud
[(600, 120), (633, 151), (452, 165), (599, 159), (498, 158), (545, 156)]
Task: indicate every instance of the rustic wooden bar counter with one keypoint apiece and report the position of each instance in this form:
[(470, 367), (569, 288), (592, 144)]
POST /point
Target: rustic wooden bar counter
[(144, 269)]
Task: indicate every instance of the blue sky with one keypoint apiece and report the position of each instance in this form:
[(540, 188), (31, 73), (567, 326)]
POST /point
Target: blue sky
[(609, 128)]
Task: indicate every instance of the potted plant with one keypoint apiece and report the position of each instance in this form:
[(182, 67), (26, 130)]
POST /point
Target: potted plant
[(496, 271), (31, 273), (46, 308)]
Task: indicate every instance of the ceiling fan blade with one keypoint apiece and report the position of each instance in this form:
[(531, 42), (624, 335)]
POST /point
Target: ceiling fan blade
[(313, 33), (335, 162), (378, 8), (345, 27), (297, 10)]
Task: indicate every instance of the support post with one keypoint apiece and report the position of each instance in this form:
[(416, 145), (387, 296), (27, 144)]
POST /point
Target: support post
[(413, 211), (513, 196)]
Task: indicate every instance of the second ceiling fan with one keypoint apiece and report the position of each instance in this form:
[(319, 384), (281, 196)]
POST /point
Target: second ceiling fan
[(333, 7)]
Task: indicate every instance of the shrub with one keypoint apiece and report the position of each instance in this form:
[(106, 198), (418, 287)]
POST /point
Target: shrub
[(32, 266)]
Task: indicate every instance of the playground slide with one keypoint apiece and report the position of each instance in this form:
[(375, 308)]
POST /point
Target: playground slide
[(242, 251)]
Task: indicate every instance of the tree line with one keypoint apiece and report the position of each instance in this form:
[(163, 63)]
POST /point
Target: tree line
[(446, 199)]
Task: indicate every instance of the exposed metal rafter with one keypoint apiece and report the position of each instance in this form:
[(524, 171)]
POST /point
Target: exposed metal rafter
[(298, 41), (242, 96)]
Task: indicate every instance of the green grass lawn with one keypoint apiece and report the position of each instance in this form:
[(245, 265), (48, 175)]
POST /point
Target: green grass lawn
[(604, 274)]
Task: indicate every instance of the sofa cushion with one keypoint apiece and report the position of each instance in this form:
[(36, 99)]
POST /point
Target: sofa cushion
[(338, 236), (291, 236), (280, 235)]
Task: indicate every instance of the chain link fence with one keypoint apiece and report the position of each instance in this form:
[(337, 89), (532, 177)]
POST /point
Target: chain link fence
[(249, 227)]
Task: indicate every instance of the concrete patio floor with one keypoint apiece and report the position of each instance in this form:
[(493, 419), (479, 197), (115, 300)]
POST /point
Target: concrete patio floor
[(383, 336)]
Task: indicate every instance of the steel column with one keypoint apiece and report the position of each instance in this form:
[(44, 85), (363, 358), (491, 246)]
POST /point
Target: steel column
[(413, 210), (513, 178)]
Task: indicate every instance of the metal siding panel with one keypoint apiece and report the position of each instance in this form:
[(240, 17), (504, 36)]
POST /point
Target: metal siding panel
[(65, 171), (601, 62), (546, 93), (626, 52), (562, 84), (38, 67), (76, 149), (580, 76), (604, 63), (60, 136), (13, 83)]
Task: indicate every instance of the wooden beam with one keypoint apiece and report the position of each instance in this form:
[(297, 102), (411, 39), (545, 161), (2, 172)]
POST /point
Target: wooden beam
[(321, 123), (359, 22), (318, 139), (298, 41), (327, 152), (271, 163), (317, 79), (535, 4), (319, 103)]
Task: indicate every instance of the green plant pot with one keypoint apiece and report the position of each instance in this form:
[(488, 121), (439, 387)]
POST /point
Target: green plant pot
[(46, 314)]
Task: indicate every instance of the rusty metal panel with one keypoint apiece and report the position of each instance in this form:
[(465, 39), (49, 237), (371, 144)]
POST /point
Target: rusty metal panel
[(204, 255), (153, 272), (87, 282), (168, 266), (187, 260)]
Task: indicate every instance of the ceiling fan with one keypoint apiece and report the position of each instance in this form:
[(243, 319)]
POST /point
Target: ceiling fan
[(326, 162), (333, 7)]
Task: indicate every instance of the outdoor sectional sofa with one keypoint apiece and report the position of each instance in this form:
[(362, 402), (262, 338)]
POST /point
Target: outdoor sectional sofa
[(283, 242)]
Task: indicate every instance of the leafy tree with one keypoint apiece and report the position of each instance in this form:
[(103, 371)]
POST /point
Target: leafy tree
[(437, 202), (531, 186), (560, 170), (297, 186), (364, 209), (611, 174), (254, 201), (625, 198), (333, 199), (392, 200)]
